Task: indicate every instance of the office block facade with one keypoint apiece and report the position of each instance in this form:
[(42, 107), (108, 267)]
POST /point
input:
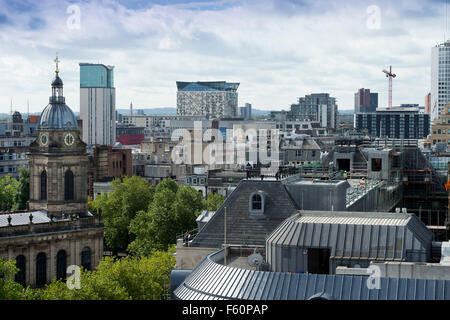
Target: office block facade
[(398, 123), (365, 101), (97, 103), (316, 107), (212, 99), (440, 78)]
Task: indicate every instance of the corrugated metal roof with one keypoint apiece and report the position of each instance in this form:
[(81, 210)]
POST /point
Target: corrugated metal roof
[(377, 236), (357, 219), (23, 218), (210, 280)]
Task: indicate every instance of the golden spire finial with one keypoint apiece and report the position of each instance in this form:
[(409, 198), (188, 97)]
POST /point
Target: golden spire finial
[(57, 61)]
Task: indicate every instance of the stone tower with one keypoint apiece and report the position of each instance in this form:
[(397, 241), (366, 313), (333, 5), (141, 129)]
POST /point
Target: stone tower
[(58, 160)]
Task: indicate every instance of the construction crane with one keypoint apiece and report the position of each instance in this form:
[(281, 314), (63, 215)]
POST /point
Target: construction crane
[(389, 75)]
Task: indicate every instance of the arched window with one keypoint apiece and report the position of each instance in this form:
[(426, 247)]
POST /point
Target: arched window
[(86, 258), (41, 269), (44, 185), (68, 185), (256, 202), (20, 276), (61, 264)]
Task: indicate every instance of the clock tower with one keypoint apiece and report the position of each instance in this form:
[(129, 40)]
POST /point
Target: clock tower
[(58, 160)]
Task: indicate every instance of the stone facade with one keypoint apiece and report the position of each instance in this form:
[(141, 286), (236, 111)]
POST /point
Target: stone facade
[(59, 231), (72, 236)]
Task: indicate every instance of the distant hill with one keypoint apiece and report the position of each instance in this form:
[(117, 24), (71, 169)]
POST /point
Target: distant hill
[(348, 111), (173, 111)]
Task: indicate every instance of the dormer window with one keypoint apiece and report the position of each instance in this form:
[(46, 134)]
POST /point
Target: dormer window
[(256, 203)]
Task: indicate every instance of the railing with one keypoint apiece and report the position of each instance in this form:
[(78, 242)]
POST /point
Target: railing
[(33, 228)]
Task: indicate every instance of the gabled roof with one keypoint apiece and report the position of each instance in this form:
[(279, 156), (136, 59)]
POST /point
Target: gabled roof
[(242, 228)]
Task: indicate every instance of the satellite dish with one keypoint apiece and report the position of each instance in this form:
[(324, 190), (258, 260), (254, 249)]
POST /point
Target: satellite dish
[(255, 260)]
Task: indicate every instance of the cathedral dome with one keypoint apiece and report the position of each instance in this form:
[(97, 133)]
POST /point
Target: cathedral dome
[(58, 116)]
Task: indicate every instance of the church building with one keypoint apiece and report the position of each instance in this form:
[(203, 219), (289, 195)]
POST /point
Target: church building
[(58, 231)]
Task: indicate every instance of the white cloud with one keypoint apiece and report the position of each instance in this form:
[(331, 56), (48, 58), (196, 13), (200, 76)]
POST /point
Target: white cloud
[(278, 51)]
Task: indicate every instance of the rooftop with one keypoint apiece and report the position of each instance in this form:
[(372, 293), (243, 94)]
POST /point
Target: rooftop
[(207, 86)]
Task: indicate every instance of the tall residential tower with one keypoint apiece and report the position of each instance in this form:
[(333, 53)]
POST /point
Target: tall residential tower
[(440, 78), (211, 99), (98, 103)]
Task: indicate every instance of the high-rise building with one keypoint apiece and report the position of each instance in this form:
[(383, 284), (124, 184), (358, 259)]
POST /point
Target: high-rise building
[(245, 112), (365, 101), (316, 107), (212, 99), (428, 103), (440, 78), (98, 103)]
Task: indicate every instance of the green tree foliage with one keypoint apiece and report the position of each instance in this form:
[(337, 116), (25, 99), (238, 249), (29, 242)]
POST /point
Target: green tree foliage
[(23, 191), (157, 227), (9, 289), (130, 278), (8, 190), (118, 208), (167, 184), (173, 211), (188, 205), (213, 202)]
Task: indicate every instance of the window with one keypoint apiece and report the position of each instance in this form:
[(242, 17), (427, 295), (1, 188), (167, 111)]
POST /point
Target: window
[(41, 269), (298, 153), (68, 185), (86, 258), (44, 185), (376, 164), (61, 264), (256, 202), (20, 276)]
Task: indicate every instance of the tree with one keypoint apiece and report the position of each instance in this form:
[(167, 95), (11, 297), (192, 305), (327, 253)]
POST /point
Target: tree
[(118, 208), (213, 202), (9, 289), (188, 205), (157, 228), (136, 278), (8, 190), (167, 183), (173, 211), (23, 190)]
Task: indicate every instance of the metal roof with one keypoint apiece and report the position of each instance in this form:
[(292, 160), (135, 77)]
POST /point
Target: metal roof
[(361, 235), (359, 219), (212, 281), (23, 218)]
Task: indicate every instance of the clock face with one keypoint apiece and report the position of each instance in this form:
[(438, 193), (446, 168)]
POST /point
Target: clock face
[(44, 139), (69, 139)]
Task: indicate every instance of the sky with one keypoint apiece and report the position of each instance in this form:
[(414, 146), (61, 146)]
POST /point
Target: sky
[(278, 50)]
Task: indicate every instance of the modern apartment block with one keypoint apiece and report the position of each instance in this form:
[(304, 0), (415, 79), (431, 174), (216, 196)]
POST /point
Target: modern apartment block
[(97, 103), (365, 101), (245, 112), (211, 99), (316, 107), (440, 78), (397, 122)]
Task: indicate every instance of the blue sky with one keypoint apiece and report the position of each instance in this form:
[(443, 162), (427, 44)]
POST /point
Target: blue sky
[(278, 50)]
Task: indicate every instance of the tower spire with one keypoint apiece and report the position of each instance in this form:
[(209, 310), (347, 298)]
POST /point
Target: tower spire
[(57, 61)]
